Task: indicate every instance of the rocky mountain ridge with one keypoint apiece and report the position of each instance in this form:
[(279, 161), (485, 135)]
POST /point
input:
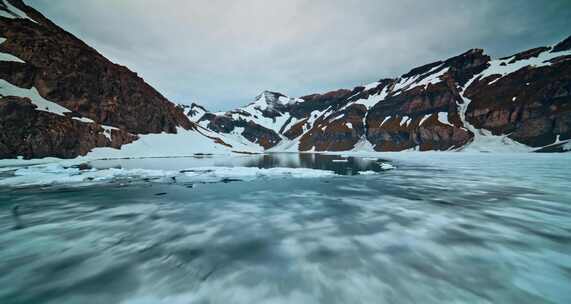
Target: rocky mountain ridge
[(61, 98), (468, 102)]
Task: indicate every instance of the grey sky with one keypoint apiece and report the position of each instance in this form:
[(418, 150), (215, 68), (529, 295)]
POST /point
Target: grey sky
[(222, 53)]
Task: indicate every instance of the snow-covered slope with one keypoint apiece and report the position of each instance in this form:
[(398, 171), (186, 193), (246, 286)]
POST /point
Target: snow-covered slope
[(183, 143)]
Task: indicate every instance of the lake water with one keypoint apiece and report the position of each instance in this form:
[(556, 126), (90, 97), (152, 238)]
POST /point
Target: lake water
[(438, 228)]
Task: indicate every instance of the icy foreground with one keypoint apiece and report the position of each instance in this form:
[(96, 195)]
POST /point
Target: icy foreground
[(441, 227), (197, 169)]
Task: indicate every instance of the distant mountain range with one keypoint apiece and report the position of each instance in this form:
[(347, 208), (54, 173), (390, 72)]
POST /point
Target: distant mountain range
[(59, 97), (468, 102)]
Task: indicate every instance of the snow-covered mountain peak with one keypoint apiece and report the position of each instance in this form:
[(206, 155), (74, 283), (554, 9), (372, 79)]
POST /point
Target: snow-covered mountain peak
[(269, 96), (268, 100), (194, 112)]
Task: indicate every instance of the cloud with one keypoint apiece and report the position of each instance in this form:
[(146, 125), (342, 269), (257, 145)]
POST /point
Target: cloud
[(221, 53)]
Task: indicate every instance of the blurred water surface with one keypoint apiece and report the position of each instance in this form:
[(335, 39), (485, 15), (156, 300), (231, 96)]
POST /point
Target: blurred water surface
[(447, 227)]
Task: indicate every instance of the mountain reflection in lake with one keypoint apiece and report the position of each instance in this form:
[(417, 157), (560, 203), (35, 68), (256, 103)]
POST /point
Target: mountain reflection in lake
[(338, 164)]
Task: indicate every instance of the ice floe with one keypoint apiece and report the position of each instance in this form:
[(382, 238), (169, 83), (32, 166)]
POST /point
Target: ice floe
[(58, 174)]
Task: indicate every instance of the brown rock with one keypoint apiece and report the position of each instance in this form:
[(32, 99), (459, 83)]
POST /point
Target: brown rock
[(68, 72), (34, 134)]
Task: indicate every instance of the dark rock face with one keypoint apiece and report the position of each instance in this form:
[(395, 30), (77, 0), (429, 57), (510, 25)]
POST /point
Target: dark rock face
[(463, 67), (564, 45), (296, 130), (68, 72), (338, 132), (532, 105), (424, 131), (410, 119), (74, 75), (219, 123), (253, 132), (20, 74), (257, 134), (28, 132), (196, 111), (320, 102)]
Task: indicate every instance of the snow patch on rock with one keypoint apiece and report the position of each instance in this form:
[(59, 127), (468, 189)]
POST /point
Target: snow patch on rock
[(443, 118), (13, 12), (372, 100), (8, 57), (83, 119), (503, 68), (424, 119), (363, 145), (183, 143), (7, 89), (484, 140)]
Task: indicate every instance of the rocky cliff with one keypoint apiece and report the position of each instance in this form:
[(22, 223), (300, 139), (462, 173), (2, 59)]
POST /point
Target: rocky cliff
[(43, 67), (471, 101)]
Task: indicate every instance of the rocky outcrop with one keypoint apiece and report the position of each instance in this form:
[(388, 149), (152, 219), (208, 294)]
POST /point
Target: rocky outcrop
[(29, 132), (531, 104), (564, 45), (66, 71), (420, 109), (320, 102), (195, 112), (251, 131), (260, 135), (338, 133)]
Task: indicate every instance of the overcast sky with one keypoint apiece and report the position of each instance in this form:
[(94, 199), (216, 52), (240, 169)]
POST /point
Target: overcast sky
[(222, 53)]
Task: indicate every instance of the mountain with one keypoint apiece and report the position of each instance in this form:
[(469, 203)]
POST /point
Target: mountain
[(260, 122), (468, 102), (194, 112), (60, 97)]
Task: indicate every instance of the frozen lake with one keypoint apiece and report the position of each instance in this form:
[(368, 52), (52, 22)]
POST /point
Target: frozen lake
[(289, 228)]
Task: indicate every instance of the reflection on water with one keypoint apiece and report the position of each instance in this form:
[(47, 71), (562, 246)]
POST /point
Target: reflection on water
[(463, 229), (339, 165)]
